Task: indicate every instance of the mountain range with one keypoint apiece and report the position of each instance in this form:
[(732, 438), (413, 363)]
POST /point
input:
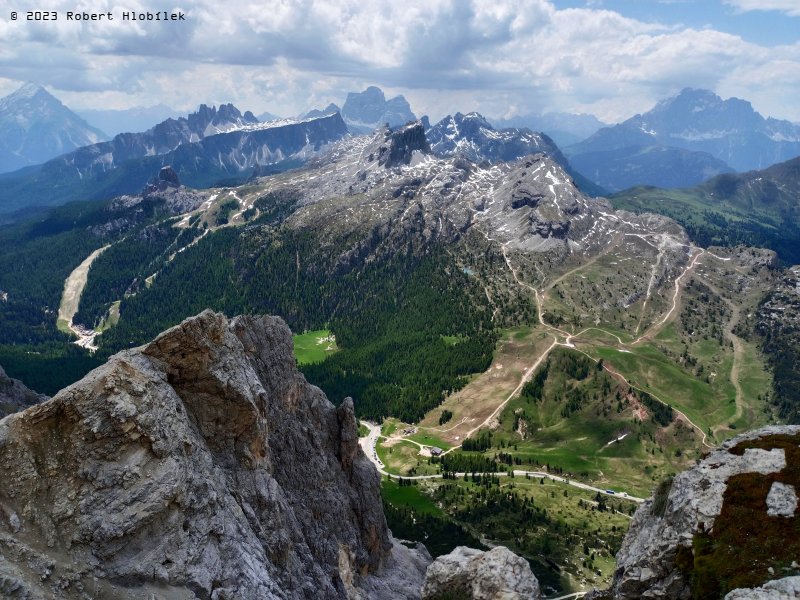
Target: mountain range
[(209, 145), (681, 142), (756, 208), (473, 137), (715, 135), (363, 112), (35, 126)]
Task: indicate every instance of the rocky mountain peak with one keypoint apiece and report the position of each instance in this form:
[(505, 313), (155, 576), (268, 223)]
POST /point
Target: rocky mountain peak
[(328, 110), (400, 144), (169, 176), (365, 111), (701, 111), (367, 106), (35, 126), (203, 466), (208, 121), (696, 121), (472, 136), (28, 91)]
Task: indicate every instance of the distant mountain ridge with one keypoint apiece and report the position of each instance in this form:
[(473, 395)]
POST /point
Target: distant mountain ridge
[(662, 166), (209, 145), (699, 120), (35, 127), (472, 136), (757, 208), (563, 128)]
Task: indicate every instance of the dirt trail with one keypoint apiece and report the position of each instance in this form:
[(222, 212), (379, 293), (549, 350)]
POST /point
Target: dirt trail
[(71, 298), (657, 327), (738, 353)]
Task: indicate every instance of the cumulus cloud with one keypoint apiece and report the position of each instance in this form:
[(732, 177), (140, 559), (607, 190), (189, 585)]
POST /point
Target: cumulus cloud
[(444, 55)]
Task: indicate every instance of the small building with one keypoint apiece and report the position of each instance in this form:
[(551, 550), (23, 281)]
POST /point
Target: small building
[(436, 451)]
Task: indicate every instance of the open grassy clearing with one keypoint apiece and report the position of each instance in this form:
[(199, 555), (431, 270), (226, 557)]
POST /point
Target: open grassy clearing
[(604, 434), (517, 349), (650, 370), (428, 439), (609, 292), (314, 346), (111, 318), (401, 457), (584, 423), (409, 496)]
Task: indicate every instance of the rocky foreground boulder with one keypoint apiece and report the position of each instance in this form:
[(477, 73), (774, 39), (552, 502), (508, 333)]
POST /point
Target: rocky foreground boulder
[(465, 573), (729, 527), (201, 465)]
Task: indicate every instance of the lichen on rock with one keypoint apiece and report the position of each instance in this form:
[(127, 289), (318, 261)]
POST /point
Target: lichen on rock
[(730, 522)]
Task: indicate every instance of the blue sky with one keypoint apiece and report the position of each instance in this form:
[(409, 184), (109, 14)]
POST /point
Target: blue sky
[(770, 26), (611, 58)]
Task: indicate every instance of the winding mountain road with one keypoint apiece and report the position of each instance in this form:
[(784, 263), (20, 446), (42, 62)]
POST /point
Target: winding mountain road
[(369, 441)]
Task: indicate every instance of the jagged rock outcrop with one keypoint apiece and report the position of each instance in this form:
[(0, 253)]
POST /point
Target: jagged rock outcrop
[(469, 574), (15, 396), (473, 136), (401, 144), (730, 522), (167, 178), (201, 465)]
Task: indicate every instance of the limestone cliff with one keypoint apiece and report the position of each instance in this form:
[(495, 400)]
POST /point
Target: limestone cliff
[(201, 465)]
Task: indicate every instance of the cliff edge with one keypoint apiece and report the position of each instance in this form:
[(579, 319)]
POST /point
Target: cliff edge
[(201, 465)]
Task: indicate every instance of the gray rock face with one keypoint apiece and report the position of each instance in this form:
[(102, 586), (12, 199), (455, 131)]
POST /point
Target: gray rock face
[(781, 500), (401, 144), (473, 136), (469, 574), (646, 563), (787, 588), (14, 396), (201, 465), (169, 176)]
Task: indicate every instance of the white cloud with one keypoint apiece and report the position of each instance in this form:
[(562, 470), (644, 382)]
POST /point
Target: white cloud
[(444, 55), (790, 7)]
